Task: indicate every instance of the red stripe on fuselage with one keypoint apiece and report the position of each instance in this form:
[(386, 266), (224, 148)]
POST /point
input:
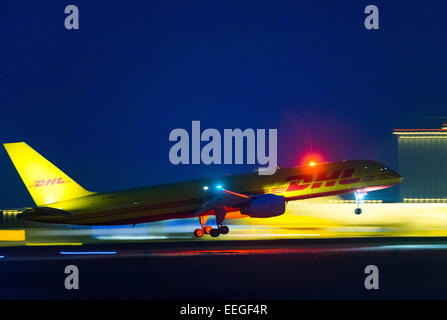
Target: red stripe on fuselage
[(334, 193)]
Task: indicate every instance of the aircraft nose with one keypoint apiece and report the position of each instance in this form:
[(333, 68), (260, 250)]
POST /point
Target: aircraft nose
[(397, 175)]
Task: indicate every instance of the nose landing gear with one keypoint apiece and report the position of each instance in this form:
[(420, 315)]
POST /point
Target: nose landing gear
[(359, 195)]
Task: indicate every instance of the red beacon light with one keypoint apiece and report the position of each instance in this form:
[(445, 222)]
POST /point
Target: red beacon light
[(312, 160)]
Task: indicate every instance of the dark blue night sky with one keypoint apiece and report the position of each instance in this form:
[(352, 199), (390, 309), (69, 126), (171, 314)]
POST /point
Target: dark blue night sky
[(100, 102)]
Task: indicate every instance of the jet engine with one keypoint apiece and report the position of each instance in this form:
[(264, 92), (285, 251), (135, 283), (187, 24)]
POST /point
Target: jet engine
[(265, 206)]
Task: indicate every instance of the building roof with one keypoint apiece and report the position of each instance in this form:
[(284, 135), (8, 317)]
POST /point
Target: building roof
[(442, 132)]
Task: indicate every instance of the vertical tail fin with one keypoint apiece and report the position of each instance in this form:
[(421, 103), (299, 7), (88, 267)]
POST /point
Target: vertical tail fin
[(44, 181)]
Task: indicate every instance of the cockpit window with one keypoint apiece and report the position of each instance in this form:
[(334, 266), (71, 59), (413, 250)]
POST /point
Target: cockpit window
[(384, 168)]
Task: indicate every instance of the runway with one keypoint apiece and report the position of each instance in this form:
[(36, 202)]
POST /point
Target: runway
[(314, 251), (409, 268)]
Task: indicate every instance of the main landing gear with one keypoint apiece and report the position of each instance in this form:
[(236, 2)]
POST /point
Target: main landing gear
[(220, 230), (359, 195), (213, 232)]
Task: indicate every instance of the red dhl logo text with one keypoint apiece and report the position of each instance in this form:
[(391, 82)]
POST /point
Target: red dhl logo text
[(48, 182), (328, 179)]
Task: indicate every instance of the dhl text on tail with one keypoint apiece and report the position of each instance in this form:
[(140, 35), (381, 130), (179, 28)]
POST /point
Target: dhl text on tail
[(59, 199)]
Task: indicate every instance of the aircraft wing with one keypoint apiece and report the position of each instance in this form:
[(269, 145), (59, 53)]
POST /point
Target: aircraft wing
[(224, 198)]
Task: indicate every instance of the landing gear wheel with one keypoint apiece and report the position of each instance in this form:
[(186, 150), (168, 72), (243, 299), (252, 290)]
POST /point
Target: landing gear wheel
[(207, 229), (358, 211), (215, 233), (198, 233), (224, 230)]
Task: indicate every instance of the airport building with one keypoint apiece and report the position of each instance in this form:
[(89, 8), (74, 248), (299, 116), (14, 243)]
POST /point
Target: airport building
[(8, 217), (422, 161)]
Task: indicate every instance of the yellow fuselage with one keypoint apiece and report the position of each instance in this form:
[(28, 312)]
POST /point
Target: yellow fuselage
[(182, 200)]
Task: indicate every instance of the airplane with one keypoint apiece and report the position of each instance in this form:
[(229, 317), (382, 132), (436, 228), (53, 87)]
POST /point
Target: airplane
[(59, 199)]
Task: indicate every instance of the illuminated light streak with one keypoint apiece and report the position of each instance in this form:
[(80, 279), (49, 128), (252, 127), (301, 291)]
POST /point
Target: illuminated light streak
[(408, 247), (236, 194), (427, 137), (440, 132), (353, 201), (118, 237), (276, 234), (12, 235), (54, 244), (235, 252), (423, 200), (86, 252), (12, 211)]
